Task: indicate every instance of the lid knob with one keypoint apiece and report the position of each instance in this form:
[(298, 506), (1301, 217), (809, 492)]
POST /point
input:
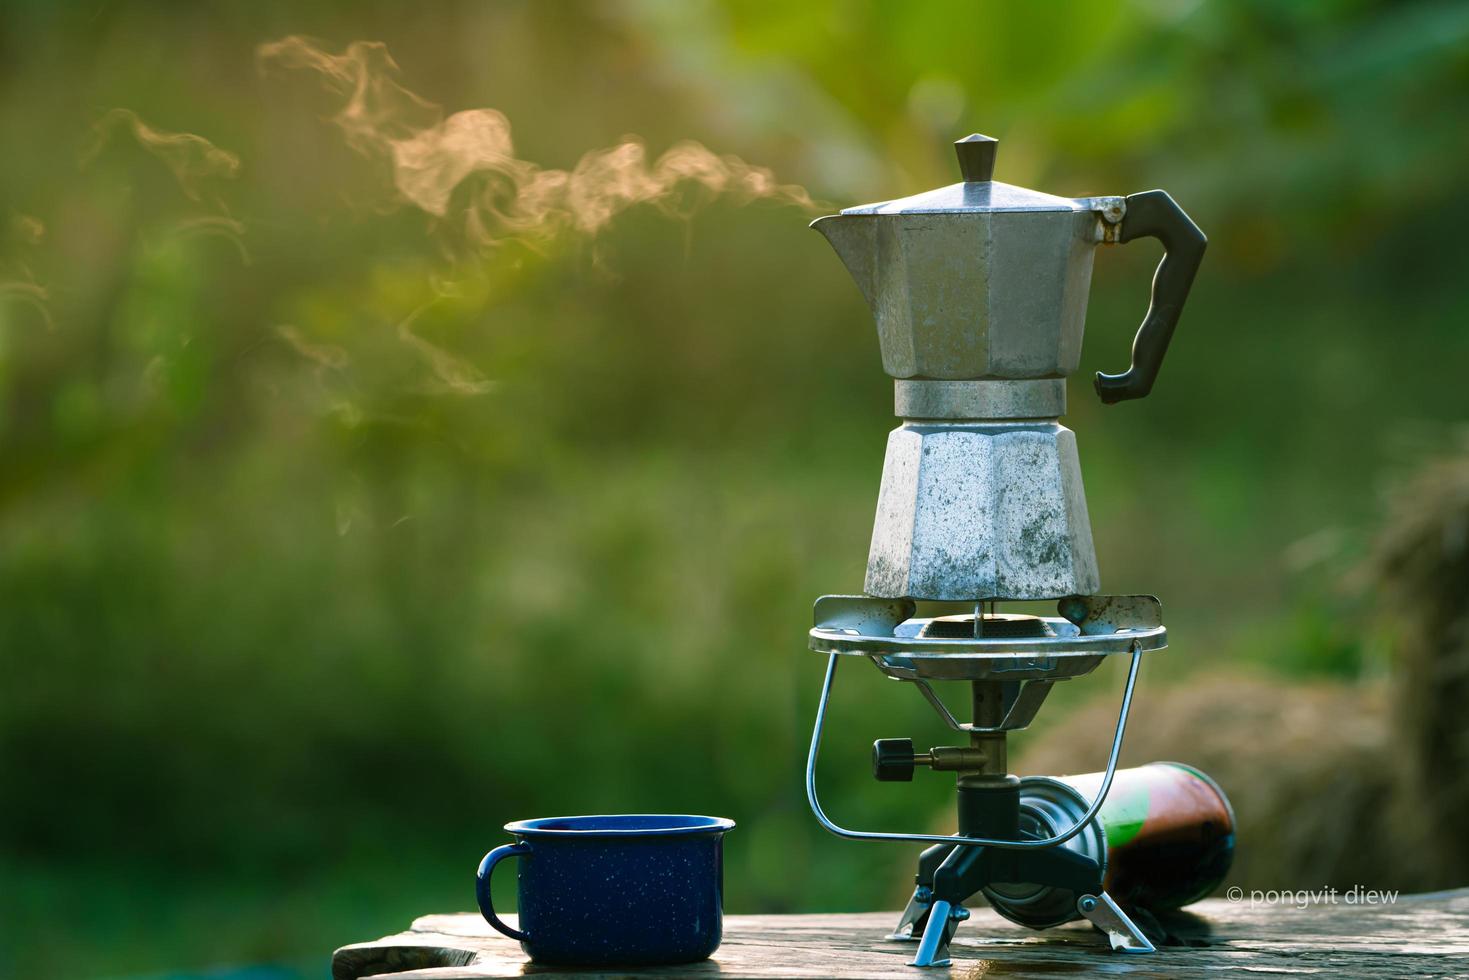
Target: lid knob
[(977, 157)]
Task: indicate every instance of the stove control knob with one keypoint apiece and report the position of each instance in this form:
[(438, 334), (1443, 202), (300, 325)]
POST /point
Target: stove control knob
[(892, 760)]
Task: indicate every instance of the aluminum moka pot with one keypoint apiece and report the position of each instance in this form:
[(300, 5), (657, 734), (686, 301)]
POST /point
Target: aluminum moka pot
[(984, 280), (979, 290)]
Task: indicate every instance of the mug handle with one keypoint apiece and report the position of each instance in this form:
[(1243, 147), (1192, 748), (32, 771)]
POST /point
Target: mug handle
[(482, 886)]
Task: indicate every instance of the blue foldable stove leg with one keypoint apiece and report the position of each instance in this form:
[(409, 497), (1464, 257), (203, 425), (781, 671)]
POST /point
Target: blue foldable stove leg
[(915, 917), (968, 869)]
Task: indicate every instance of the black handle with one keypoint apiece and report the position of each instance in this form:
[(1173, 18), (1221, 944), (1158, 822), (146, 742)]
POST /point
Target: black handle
[(892, 760), (1153, 214)]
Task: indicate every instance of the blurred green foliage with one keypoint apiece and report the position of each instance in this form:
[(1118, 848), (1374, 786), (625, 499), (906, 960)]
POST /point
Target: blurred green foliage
[(291, 622)]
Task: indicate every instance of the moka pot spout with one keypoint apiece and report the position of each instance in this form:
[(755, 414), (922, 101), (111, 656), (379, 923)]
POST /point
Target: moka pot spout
[(854, 236)]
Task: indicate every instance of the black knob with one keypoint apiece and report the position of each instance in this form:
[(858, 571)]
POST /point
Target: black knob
[(892, 760), (977, 157)]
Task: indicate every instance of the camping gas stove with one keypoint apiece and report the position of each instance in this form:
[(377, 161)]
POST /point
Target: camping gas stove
[(979, 290)]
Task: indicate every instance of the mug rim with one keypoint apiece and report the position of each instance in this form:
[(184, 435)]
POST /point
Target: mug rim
[(691, 824)]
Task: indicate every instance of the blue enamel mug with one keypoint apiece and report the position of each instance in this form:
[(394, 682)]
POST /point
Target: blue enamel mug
[(632, 889)]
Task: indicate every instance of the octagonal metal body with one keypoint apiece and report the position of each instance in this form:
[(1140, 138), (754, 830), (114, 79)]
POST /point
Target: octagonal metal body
[(981, 510), (974, 294)]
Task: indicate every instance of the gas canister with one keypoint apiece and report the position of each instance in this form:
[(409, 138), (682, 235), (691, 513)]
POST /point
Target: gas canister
[(1164, 839)]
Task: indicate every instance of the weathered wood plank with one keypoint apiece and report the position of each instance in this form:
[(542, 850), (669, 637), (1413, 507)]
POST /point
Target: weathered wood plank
[(1421, 935)]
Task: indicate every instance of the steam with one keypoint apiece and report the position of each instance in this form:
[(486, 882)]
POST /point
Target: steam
[(194, 162), (431, 156), (455, 375), (29, 231), (326, 356), (465, 163), (31, 294), (192, 159), (218, 226)]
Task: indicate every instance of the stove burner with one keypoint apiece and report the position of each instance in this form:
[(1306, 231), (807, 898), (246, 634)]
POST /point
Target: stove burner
[(991, 627), (1010, 646)]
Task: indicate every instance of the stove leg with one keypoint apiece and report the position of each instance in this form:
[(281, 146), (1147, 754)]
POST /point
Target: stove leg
[(966, 870), (915, 917), (1124, 935), (943, 919), (959, 874), (908, 928)]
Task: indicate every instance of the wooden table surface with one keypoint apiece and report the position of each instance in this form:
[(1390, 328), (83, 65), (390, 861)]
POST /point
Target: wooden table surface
[(1418, 936)]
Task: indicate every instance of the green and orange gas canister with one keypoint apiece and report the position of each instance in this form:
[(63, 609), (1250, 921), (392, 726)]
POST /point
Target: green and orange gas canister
[(1164, 838)]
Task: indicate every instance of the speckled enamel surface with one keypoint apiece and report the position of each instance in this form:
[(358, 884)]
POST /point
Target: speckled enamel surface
[(625, 899)]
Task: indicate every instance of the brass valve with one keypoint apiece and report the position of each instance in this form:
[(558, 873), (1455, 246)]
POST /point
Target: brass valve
[(893, 759), (953, 758)]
